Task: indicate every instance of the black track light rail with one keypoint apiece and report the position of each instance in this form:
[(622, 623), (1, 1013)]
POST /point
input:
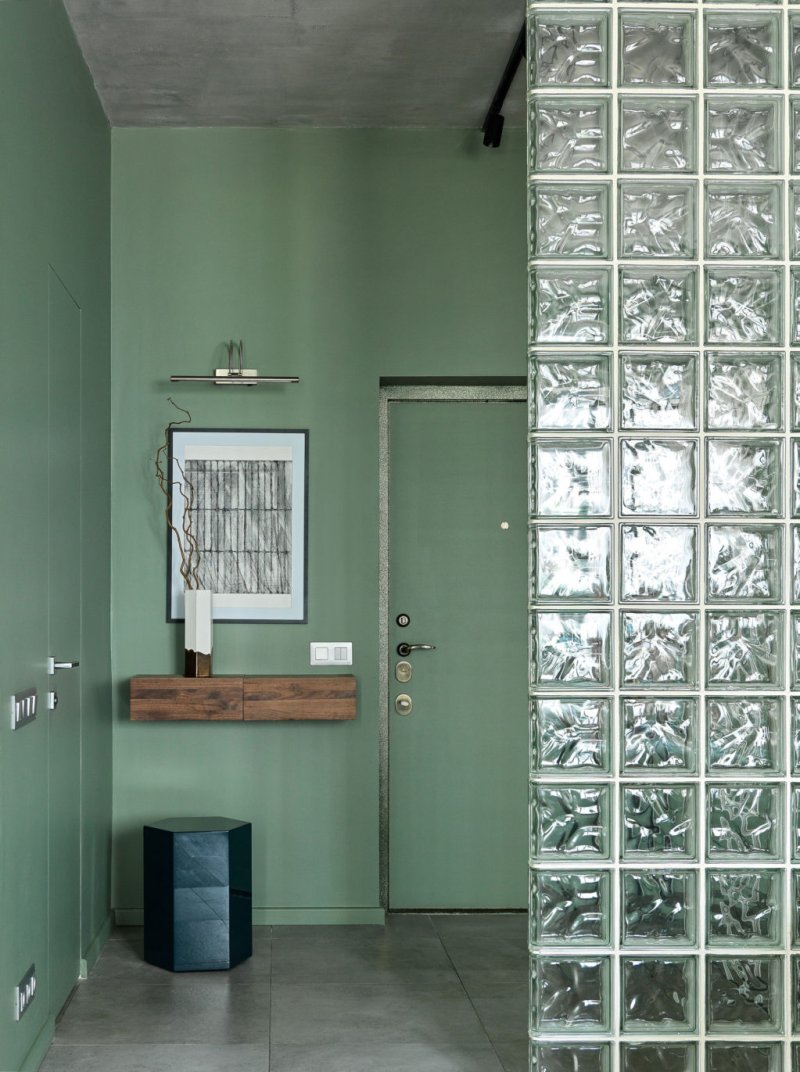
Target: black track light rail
[(493, 123)]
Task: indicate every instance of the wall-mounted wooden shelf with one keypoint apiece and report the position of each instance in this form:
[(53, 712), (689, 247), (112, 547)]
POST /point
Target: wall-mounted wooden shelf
[(305, 698)]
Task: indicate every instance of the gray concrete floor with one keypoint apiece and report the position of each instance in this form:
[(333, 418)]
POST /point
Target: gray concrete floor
[(425, 993)]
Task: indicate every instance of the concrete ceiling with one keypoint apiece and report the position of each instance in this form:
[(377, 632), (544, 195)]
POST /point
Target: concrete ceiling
[(361, 63)]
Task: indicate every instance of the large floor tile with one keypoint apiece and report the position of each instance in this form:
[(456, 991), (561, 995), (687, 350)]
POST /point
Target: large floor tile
[(459, 925), (500, 999), (486, 954), (187, 1010), (374, 960), (392, 1057), (353, 1014), (175, 1058), (397, 925), (513, 1055), (123, 959)]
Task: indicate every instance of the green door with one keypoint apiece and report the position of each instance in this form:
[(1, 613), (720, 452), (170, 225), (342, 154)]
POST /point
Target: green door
[(458, 567), (64, 721)]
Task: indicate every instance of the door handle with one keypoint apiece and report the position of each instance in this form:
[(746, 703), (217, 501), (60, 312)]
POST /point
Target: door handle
[(52, 665), (404, 650)]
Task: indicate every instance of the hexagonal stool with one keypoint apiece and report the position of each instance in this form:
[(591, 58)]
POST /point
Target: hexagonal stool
[(198, 893)]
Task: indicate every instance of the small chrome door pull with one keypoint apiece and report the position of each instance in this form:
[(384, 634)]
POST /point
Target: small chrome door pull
[(404, 650), (52, 665)]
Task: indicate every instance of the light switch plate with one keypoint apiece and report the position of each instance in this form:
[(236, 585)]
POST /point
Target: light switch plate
[(25, 992), (331, 653), (23, 708)]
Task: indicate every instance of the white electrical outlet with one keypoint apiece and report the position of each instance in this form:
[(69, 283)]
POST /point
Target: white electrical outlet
[(23, 708), (25, 992), (331, 653)]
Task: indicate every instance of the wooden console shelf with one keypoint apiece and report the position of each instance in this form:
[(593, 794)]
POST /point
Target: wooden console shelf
[(310, 697)]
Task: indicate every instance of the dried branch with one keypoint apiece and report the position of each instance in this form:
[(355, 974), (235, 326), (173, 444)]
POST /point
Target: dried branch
[(185, 540)]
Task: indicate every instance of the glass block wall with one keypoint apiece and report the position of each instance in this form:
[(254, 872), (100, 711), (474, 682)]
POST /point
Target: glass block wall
[(664, 194)]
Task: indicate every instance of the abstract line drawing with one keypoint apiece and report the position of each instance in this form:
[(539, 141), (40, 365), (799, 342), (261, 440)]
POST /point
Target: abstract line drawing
[(248, 516)]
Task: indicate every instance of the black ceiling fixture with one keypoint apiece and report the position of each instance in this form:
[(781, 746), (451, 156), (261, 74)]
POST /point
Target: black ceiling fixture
[(493, 123)]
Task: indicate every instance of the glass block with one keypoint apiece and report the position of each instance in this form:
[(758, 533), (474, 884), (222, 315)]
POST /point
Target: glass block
[(795, 653), (657, 222), (659, 649), (571, 305), (656, 49), (795, 150), (571, 994), (744, 821), (743, 135), (659, 476), (795, 819), (657, 134), (658, 391), (795, 564), (570, 906), (571, 735), (659, 735), (745, 649), (571, 391), (573, 563), (794, 220), (745, 563), (659, 563), (658, 821), (744, 476), (795, 736), (744, 734), (744, 1057), (744, 994), (569, 221), (795, 389), (658, 907), (573, 647), (570, 821), (573, 479), (796, 478), (657, 306), (743, 222), (569, 49), (592, 1057), (744, 391), (658, 993), (744, 908), (795, 307), (659, 1057), (795, 910), (743, 305), (571, 134), (743, 50), (794, 995), (794, 51)]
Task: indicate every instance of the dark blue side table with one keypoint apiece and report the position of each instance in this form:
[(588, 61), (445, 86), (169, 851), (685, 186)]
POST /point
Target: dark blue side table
[(198, 893)]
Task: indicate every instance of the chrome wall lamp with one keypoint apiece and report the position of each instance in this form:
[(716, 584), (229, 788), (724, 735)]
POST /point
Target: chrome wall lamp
[(235, 374)]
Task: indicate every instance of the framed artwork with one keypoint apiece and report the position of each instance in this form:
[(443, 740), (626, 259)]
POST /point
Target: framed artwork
[(242, 495)]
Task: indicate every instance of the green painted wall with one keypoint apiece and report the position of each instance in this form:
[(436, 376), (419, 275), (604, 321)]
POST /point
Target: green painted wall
[(340, 256), (55, 210)]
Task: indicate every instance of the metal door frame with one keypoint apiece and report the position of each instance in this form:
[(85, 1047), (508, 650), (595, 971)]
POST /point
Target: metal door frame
[(393, 393)]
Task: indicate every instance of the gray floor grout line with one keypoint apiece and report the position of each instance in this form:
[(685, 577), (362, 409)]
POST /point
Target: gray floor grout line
[(468, 997)]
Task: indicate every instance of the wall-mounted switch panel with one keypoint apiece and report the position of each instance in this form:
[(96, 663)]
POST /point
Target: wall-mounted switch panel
[(25, 992), (23, 708), (331, 653)]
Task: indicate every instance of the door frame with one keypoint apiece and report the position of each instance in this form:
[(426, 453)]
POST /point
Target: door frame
[(509, 389)]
